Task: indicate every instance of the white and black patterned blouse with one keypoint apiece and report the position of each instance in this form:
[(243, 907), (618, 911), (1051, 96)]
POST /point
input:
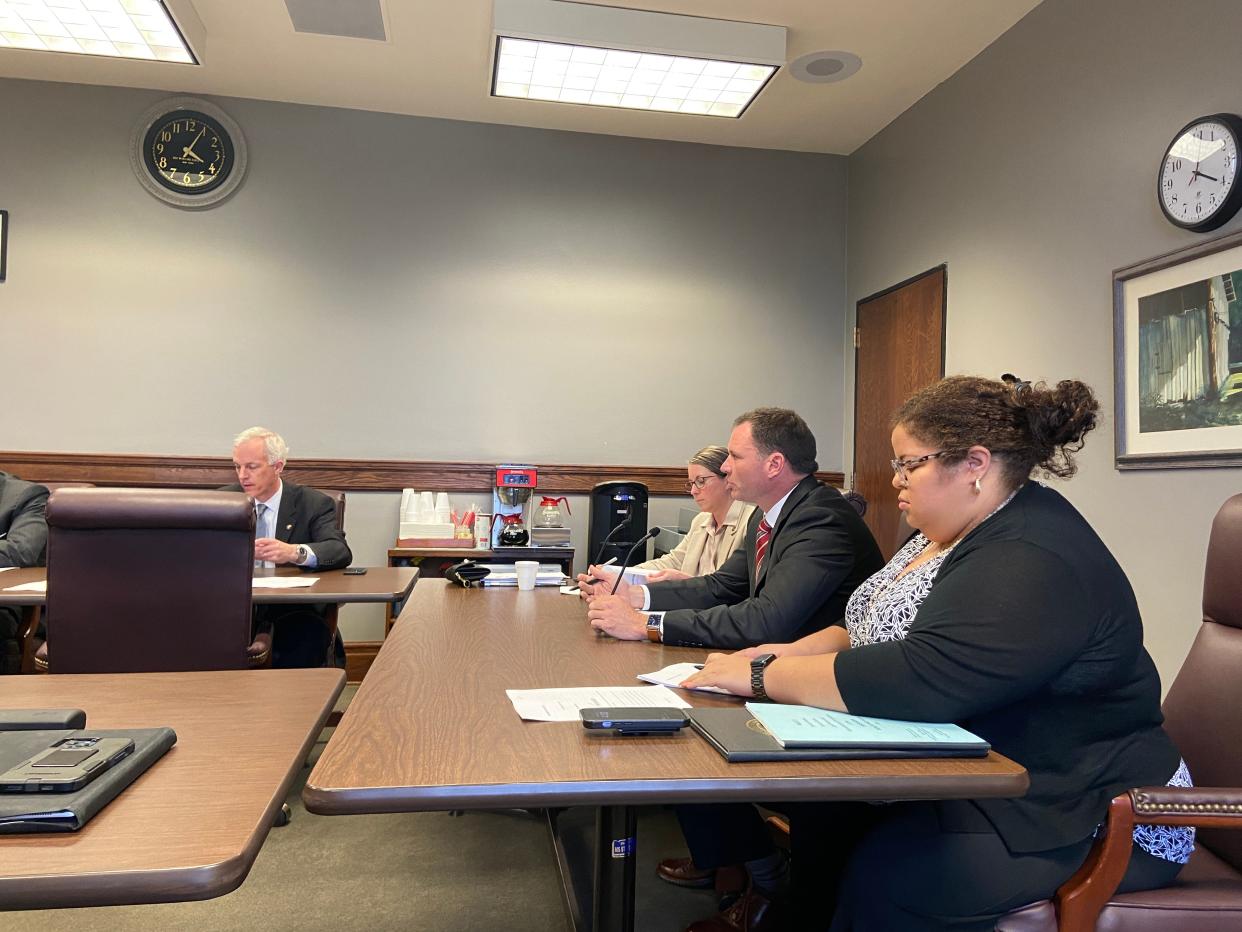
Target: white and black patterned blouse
[(884, 606)]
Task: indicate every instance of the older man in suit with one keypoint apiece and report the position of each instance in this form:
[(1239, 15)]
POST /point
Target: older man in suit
[(294, 525), (23, 542)]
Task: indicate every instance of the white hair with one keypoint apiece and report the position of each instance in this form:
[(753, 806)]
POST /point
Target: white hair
[(273, 444)]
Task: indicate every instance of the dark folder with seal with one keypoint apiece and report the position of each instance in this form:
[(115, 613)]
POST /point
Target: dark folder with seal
[(55, 781)]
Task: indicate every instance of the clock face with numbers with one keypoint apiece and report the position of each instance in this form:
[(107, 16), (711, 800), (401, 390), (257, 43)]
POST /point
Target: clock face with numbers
[(1198, 179), (188, 153)]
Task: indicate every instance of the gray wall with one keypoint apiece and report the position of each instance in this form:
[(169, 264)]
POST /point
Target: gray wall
[(1032, 173), (406, 288)]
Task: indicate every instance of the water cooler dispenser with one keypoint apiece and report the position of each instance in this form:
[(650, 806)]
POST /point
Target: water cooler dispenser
[(614, 504)]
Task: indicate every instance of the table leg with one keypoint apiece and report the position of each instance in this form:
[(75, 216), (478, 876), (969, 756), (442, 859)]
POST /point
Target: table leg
[(597, 865), (616, 841)]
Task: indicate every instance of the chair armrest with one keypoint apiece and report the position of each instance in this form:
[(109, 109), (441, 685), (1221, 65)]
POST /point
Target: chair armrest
[(1205, 806), (1080, 899)]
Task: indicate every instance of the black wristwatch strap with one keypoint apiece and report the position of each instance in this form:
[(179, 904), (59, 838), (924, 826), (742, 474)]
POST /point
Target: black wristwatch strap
[(757, 667)]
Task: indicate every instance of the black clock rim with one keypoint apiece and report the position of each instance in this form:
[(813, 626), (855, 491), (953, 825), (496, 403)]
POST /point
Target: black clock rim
[(163, 120), (1230, 205)]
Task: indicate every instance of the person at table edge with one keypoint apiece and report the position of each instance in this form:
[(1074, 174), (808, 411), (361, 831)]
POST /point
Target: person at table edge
[(294, 525), (23, 542), (806, 549), (1008, 615)]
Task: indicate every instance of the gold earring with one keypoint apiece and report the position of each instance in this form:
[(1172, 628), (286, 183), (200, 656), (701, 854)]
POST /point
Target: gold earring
[(978, 485)]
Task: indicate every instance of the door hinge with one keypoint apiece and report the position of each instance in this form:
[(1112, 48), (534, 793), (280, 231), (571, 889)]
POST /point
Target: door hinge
[(857, 341)]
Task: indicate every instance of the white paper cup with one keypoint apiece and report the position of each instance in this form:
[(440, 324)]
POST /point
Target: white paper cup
[(527, 571)]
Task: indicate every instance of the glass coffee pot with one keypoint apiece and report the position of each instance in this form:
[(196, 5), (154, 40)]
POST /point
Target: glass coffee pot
[(513, 531), (550, 513)]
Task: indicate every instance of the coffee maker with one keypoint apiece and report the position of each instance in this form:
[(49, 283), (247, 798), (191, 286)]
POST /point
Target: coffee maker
[(515, 483)]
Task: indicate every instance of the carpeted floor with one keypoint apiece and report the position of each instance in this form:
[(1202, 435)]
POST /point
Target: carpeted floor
[(416, 871)]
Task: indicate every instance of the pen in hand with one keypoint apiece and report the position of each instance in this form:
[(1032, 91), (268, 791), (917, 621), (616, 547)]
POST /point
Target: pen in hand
[(591, 580)]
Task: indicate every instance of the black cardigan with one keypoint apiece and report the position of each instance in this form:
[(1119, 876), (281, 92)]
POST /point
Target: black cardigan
[(1031, 638)]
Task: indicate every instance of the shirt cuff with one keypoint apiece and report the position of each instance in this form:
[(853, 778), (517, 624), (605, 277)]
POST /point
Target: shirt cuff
[(311, 560), (646, 599)]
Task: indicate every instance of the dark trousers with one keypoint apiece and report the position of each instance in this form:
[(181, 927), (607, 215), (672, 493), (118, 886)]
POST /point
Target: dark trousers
[(922, 867), (299, 634)]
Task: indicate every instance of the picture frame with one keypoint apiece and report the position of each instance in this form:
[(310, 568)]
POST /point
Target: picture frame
[(4, 243), (1177, 358)]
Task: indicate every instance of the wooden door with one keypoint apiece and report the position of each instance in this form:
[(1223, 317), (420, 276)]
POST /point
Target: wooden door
[(898, 349)]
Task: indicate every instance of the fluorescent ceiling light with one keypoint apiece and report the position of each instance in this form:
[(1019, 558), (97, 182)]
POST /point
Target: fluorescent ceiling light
[(115, 28), (610, 57)]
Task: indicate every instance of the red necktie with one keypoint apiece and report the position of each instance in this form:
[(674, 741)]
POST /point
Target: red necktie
[(761, 544)]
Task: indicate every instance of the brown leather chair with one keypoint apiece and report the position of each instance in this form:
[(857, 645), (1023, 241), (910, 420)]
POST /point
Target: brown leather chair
[(143, 580), (1203, 714)]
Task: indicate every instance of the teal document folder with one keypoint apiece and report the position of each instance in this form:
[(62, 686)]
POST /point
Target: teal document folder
[(803, 726)]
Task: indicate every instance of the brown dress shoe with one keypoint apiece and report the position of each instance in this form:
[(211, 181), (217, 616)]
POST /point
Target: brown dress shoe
[(752, 912), (683, 873)]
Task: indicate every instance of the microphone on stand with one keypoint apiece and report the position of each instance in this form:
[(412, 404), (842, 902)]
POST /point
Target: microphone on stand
[(625, 565), (610, 535)]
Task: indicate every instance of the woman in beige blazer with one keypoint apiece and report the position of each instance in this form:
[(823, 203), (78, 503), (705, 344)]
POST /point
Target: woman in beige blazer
[(715, 533)]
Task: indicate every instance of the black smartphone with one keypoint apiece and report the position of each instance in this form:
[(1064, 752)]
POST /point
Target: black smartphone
[(355, 571), (639, 720)]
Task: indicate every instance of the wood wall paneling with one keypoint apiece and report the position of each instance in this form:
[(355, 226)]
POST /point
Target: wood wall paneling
[(140, 469)]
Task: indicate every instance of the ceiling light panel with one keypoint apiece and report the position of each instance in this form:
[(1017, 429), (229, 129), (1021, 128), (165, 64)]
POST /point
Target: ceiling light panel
[(580, 74), (613, 57), (115, 28)]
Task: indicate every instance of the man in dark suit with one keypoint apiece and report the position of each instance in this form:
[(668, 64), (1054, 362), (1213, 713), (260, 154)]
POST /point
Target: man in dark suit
[(294, 525), (803, 557), (23, 542), (805, 552)]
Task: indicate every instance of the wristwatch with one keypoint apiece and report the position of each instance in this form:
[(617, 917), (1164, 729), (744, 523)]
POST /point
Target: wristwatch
[(303, 554), (757, 666), (655, 627)]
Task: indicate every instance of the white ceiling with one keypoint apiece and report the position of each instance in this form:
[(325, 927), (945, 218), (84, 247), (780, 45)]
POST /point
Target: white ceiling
[(437, 62)]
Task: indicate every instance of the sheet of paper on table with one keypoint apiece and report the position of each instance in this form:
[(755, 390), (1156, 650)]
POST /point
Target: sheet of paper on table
[(563, 705), (284, 582), (37, 586), (673, 674)]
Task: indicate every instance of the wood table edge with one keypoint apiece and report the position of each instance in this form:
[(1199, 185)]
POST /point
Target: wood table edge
[(179, 884)]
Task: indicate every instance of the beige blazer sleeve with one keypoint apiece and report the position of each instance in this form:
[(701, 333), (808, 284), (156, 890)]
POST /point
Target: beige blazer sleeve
[(686, 556)]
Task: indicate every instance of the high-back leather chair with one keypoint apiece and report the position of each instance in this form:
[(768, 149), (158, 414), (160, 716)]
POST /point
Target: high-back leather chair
[(1203, 715), (144, 580)]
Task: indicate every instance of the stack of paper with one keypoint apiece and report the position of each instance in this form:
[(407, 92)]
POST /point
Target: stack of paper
[(505, 574), (563, 705)]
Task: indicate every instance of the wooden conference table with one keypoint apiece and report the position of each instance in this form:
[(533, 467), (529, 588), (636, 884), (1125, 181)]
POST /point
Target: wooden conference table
[(390, 584), (190, 827), (432, 728)]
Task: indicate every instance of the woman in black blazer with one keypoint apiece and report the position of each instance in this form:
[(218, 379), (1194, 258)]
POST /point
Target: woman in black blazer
[(1008, 615)]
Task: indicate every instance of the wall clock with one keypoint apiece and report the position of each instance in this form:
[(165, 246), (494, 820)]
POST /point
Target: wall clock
[(1198, 184), (188, 152)]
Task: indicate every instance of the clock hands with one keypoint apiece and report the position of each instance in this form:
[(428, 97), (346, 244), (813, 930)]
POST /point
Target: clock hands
[(188, 151)]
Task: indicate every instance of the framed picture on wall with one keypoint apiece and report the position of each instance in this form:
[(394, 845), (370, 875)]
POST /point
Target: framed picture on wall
[(1177, 358), (4, 242)]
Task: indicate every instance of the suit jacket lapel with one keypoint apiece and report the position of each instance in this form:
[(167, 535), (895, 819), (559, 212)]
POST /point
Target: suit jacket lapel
[(800, 491), (288, 514)]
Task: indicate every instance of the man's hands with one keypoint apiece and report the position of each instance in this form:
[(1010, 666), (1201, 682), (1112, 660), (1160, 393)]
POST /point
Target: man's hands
[(275, 551), (613, 614), (597, 581)]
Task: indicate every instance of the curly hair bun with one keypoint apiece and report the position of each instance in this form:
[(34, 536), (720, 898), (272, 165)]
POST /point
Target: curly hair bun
[(1029, 426), (1060, 418)]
